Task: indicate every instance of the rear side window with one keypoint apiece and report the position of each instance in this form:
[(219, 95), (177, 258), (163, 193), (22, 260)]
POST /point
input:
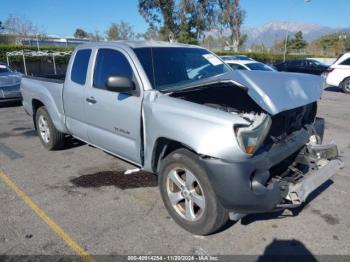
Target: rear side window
[(110, 63), (346, 62), (80, 66), (294, 63)]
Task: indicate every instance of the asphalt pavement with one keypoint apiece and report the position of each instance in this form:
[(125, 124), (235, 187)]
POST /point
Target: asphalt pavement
[(78, 197)]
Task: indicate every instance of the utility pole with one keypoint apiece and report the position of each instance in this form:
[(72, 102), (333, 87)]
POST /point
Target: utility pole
[(342, 38), (286, 38), (37, 42), (285, 46)]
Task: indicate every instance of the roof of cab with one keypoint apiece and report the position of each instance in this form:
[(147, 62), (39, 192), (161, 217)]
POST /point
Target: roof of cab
[(135, 44)]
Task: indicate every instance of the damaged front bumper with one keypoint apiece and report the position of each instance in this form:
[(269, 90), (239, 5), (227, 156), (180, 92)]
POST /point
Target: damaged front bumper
[(324, 164), (253, 186)]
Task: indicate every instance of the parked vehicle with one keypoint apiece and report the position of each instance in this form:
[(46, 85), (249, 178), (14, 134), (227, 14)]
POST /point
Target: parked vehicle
[(248, 65), (9, 84), (308, 66), (338, 74), (236, 57), (224, 143)]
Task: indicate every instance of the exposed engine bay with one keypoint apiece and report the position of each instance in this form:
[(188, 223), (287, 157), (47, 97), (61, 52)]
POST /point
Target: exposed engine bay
[(234, 99), (265, 131), (223, 97)]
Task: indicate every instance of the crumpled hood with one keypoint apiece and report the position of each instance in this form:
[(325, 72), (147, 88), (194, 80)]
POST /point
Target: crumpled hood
[(278, 91)]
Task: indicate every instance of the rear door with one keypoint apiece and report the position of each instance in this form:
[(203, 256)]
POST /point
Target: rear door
[(114, 119), (342, 70), (74, 94), (296, 66)]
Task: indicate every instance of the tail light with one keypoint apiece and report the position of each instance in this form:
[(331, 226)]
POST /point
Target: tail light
[(330, 69)]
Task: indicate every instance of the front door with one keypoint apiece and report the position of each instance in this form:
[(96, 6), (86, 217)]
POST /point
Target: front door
[(114, 119)]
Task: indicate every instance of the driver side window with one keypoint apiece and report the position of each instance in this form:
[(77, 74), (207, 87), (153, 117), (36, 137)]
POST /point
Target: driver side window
[(311, 63), (110, 62)]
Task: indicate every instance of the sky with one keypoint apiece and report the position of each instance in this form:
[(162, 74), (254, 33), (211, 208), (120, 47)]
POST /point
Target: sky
[(62, 17)]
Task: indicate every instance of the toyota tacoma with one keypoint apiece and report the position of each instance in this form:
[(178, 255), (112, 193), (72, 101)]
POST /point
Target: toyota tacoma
[(224, 143)]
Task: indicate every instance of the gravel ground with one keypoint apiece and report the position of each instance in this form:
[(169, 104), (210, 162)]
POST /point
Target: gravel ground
[(84, 191)]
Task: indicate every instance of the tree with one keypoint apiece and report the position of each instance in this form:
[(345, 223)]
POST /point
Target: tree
[(186, 20), (298, 42), (6, 39), (293, 43), (113, 32), (160, 13), (80, 33), (258, 48), (20, 26), (232, 17), (120, 31), (152, 33), (242, 40), (195, 17), (95, 36), (126, 31), (209, 42), (334, 43)]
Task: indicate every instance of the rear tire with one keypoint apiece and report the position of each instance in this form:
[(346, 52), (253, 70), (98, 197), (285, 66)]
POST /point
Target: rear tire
[(188, 195), (345, 85), (49, 136)]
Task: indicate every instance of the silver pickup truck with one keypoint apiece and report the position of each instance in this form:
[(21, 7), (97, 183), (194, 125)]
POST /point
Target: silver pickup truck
[(224, 143)]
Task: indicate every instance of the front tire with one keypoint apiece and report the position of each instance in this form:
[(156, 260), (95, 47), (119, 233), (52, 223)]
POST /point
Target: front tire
[(345, 85), (188, 195), (49, 136)]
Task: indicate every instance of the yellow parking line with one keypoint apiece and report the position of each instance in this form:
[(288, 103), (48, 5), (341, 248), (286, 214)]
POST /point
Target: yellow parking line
[(53, 226)]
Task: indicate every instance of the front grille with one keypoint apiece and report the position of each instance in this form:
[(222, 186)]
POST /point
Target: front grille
[(285, 123)]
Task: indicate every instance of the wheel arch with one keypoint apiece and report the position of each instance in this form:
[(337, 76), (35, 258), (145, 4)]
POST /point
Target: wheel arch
[(36, 104), (163, 147), (343, 82)]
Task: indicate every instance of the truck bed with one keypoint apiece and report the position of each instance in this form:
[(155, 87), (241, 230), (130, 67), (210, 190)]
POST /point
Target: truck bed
[(48, 90), (49, 78)]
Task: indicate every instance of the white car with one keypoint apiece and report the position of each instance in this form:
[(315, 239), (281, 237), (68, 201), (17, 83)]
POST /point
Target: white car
[(248, 65), (338, 74)]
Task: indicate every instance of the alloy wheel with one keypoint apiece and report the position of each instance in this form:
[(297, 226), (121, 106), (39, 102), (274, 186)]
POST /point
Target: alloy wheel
[(44, 129), (185, 194)]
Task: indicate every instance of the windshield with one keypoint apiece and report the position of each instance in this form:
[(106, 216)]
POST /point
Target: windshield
[(167, 67), (4, 69), (259, 66)]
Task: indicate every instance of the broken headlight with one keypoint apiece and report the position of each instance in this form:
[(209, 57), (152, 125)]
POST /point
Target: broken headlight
[(250, 137)]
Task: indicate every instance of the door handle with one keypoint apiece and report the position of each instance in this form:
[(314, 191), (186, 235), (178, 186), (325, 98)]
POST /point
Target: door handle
[(91, 100)]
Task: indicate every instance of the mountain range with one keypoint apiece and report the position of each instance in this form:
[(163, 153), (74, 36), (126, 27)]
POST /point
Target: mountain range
[(271, 32)]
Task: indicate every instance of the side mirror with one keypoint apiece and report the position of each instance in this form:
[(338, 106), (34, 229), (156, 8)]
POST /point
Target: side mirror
[(120, 84)]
